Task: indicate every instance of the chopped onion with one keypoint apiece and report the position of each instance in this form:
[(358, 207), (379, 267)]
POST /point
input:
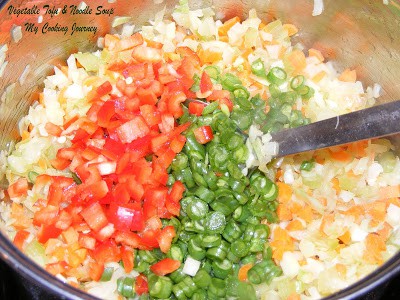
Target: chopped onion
[(120, 20), (191, 266), (24, 74), (318, 7), (16, 33), (107, 168)]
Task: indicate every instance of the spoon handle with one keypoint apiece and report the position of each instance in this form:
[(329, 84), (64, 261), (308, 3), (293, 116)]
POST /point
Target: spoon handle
[(373, 122)]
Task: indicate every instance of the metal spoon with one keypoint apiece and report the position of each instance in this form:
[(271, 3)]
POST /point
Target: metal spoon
[(374, 122)]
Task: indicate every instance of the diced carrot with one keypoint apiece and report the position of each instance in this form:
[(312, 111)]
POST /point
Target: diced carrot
[(327, 220), (208, 56), (295, 225), (345, 238), (281, 243), (278, 175), (25, 135), (298, 60), (326, 51), (377, 210), (341, 155), (153, 44), (358, 148), (385, 231), (285, 192), (316, 53), (374, 245), (291, 29), (341, 269), (223, 30), (284, 213), (393, 200), (41, 98), (22, 221), (335, 185), (242, 274), (305, 213), (42, 163), (318, 77), (357, 211), (348, 76), (294, 296), (388, 192)]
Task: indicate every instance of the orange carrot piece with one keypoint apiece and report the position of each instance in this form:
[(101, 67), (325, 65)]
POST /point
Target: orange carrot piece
[(291, 29), (388, 192), (281, 243), (374, 245), (385, 231), (208, 56), (223, 30), (345, 238), (284, 213), (285, 192), (298, 60), (341, 269), (242, 274), (294, 296), (294, 226), (341, 155), (21, 220), (316, 53), (348, 76)]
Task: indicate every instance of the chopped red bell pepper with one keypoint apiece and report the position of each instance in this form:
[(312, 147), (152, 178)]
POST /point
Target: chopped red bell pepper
[(203, 134), (165, 266)]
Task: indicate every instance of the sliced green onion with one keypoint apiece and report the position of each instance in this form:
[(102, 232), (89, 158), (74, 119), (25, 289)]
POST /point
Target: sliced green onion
[(210, 108), (307, 165), (32, 176), (257, 68), (218, 287), (199, 295), (125, 287), (276, 75), (230, 82), (239, 248), (215, 222), (76, 178), (232, 231), (195, 250), (297, 82), (197, 209), (107, 274), (202, 279), (213, 72), (306, 92), (178, 275), (175, 252), (160, 286), (222, 269), (209, 241)]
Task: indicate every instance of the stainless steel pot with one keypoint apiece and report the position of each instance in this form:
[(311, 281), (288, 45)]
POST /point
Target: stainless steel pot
[(361, 34)]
